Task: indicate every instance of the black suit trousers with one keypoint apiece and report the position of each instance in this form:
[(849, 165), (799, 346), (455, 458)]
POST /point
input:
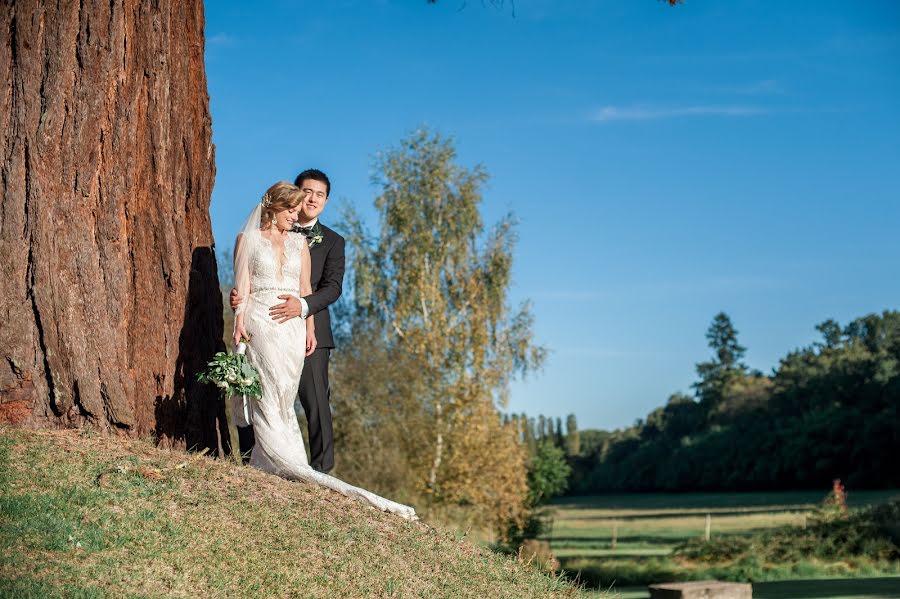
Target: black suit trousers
[(314, 395)]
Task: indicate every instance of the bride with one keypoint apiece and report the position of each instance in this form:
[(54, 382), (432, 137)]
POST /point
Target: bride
[(270, 261)]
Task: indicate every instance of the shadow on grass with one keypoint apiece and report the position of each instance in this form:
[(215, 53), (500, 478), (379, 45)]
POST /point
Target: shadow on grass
[(887, 587), (611, 558), (830, 588), (602, 573)]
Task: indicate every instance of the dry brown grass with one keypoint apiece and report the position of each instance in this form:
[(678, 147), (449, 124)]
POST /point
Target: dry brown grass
[(93, 516)]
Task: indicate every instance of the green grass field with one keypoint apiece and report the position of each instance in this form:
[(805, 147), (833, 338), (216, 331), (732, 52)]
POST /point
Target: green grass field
[(625, 541)]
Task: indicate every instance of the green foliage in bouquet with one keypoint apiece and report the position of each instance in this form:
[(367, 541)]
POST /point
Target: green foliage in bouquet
[(233, 374)]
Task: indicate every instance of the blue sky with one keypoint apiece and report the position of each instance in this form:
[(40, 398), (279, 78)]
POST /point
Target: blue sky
[(664, 163)]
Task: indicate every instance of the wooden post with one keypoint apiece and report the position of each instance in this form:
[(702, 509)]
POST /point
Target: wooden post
[(615, 535), (708, 527)]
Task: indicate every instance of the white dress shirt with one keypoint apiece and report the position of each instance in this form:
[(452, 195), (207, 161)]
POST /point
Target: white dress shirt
[(304, 307)]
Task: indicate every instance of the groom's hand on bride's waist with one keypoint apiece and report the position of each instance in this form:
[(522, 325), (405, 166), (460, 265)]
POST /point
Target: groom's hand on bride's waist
[(291, 307)]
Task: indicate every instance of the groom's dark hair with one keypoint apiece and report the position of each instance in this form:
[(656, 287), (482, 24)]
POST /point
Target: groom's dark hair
[(316, 175)]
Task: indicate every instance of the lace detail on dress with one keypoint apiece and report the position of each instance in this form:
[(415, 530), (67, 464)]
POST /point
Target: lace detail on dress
[(267, 269)]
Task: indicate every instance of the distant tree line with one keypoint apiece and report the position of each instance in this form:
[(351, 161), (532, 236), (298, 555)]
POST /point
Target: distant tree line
[(830, 410), (548, 450)]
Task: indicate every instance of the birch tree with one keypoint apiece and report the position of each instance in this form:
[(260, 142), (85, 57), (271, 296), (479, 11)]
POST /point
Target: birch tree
[(437, 280)]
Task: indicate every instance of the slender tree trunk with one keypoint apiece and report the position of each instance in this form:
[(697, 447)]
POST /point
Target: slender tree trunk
[(109, 301), (438, 445)]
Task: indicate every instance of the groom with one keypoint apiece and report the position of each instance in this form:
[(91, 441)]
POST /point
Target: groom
[(326, 251)]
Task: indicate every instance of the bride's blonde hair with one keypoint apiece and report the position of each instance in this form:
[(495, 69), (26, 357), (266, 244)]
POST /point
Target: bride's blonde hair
[(281, 196)]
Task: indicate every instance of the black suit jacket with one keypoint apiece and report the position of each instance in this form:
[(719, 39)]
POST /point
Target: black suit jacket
[(327, 280)]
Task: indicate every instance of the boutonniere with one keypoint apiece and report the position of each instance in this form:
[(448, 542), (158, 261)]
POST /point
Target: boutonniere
[(315, 235)]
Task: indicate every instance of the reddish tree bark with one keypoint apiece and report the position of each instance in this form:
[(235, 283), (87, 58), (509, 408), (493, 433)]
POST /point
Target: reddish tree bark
[(109, 301)]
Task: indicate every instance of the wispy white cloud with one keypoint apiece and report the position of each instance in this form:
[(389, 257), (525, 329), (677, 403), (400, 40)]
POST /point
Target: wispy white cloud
[(608, 114), (604, 352), (704, 286), (756, 88), (221, 39), (571, 295)]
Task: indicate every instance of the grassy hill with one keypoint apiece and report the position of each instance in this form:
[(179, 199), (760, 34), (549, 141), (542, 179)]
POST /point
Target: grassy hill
[(84, 515)]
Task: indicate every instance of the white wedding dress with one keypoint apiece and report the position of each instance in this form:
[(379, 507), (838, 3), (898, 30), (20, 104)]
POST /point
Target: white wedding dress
[(277, 351)]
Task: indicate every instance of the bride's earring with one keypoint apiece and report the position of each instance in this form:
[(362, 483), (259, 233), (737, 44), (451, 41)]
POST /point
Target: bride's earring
[(274, 222)]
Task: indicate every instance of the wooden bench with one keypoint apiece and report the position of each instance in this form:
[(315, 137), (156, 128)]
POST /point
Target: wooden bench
[(705, 589)]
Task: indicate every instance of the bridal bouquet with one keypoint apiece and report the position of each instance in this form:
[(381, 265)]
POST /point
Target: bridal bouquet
[(232, 374), (237, 380)]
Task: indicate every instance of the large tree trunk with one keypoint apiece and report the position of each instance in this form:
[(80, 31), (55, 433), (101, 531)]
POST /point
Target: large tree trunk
[(109, 301)]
